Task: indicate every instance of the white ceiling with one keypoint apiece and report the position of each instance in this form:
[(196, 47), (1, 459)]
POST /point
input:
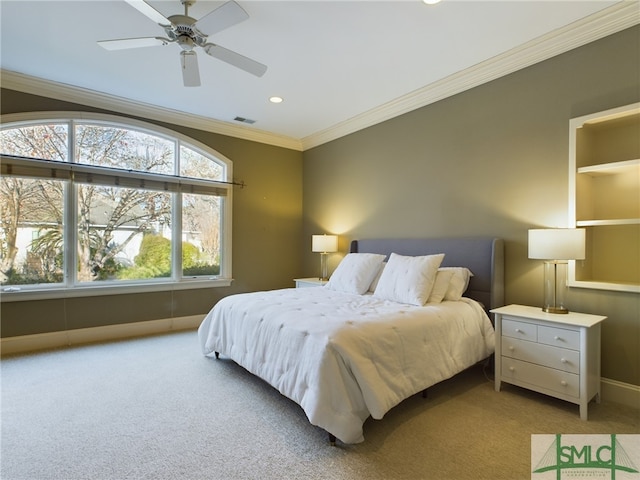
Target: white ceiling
[(339, 65)]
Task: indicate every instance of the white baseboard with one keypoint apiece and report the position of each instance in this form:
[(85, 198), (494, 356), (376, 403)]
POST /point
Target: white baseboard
[(44, 341), (619, 392)]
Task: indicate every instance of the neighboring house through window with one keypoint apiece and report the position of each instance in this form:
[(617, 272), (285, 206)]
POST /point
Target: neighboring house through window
[(92, 202)]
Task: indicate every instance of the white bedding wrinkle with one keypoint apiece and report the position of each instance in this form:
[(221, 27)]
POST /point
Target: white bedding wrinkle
[(344, 357)]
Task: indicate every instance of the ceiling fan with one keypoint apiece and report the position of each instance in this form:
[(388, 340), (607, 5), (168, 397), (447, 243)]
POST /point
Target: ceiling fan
[(188, 33)]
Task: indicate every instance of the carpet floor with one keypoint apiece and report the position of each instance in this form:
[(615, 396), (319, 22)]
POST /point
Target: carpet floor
[(155, 408)]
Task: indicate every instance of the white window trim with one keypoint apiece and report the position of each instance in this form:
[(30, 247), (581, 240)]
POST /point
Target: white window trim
[(11, 293)]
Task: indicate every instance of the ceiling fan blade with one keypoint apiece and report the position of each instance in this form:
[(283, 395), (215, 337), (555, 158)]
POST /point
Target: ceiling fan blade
[(222, 17), (125, 43), (150, 12), (235, 59), (190, 71)]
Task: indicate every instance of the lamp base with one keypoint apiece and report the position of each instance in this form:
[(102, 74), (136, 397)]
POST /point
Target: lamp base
[(555, 287), (555, 310), (324, 273)]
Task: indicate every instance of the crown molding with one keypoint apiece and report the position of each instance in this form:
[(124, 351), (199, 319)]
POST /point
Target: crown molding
[(68, 93), (608, 21)]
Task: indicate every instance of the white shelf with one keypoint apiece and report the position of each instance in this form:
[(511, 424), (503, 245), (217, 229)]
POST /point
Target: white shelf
[(609, 115), (614, 168), (601, 223), (596, 285)]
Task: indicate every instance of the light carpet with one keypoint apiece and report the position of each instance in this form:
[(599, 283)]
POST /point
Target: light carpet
[(155, 408)]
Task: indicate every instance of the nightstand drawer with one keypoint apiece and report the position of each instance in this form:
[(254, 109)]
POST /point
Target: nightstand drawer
[(544, 377), (559, 337), (545, 355), (521, 330)]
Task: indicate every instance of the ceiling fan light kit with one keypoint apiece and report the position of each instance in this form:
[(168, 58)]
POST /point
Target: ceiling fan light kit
[(187, 33)]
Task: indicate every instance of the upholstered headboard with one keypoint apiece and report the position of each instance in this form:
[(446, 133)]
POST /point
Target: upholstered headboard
[(484, 256)]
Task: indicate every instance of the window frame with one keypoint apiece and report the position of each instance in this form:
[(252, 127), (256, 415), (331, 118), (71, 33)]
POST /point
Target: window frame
[(40, 292)]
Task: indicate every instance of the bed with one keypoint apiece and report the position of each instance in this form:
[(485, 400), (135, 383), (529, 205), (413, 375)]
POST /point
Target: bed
[(345, 354)]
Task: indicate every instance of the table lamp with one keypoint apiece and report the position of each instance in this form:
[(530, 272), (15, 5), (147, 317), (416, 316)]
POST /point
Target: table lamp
[(324, 244), (556, 246)]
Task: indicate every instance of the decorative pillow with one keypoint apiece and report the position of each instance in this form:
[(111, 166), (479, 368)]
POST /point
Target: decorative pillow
[(408, 279), (458, 283), (441, 285), (355, 272)]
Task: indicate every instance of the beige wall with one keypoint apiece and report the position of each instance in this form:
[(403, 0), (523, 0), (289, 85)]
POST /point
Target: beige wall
[(489, 161), (267, 223)]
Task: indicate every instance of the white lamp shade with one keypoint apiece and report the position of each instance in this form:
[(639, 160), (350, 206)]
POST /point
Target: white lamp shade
[(557, 243), (324, 243)]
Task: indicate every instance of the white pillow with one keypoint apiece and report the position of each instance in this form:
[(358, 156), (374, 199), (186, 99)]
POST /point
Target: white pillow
[(355, 272), (408, 279), (458, 283), (441, 285)]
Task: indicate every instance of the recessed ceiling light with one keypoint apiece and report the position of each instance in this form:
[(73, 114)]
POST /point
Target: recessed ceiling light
[(276, 99), (431, 2)]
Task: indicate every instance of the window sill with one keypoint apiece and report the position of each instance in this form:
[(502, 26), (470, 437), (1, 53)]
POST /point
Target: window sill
[(27, 293)]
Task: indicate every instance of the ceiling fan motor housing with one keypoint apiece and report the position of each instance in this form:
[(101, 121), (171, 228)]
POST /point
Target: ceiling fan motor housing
[(183, 32)]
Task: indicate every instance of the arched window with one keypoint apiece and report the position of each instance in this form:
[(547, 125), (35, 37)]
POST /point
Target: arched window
[(96, 202)]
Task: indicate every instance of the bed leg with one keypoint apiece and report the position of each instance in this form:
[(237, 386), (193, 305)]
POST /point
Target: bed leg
[(332, 440), (425, 393), (217, 355)]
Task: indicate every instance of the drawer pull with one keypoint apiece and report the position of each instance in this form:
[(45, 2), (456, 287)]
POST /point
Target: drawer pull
[(511, 348), (512, 369), (563, 383), (518, 330), (559, 339), (563, 360)]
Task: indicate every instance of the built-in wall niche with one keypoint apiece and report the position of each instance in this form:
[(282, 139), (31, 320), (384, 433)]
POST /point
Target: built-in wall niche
[(604, 196)]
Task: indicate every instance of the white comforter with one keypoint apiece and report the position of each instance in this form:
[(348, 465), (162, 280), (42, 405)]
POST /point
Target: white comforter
[(345, 357)]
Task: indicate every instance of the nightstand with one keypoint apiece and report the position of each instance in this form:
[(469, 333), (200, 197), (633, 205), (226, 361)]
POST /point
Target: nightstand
[(554, 354), (309, 282)]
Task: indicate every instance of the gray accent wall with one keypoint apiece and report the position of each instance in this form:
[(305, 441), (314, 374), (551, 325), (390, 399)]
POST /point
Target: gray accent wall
[(489, 161)]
